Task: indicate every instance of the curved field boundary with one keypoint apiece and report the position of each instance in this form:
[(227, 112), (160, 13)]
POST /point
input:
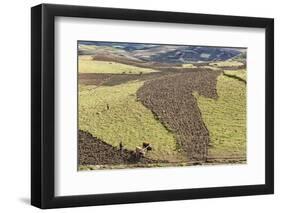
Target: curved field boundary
[(235, 77), (93, 151), (226, 119), (171, 99)]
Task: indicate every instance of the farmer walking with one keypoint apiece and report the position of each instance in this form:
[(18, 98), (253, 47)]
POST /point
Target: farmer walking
[(121, 148)]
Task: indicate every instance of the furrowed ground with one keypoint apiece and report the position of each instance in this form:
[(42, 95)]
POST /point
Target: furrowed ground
[(171, 99), (95, 152)]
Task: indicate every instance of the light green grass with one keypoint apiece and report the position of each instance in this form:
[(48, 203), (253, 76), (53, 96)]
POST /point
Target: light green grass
[(126, 120), (189, 66), (228, 63), (225, 118), (92, 49), (239, 73), (83, 47), (92, 66)]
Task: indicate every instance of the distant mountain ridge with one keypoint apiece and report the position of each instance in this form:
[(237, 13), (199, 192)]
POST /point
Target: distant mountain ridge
[(160, 53), (195, 54)]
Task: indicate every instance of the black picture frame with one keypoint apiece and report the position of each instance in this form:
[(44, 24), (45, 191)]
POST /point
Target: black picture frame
[(43, 111)]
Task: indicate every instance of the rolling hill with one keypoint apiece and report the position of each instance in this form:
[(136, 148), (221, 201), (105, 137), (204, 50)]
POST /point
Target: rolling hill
[(159, 53)]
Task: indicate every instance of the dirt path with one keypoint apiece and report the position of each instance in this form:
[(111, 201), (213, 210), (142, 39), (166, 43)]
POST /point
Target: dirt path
[(171, 99)]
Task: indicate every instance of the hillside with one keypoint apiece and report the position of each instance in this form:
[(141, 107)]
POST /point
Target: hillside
[(160, 53)]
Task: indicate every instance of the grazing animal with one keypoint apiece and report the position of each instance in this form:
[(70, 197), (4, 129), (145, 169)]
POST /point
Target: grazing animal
[(147, 146), (140, 151)]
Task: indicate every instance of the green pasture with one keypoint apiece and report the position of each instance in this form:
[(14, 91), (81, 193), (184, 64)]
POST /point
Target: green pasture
[(113, 114), (225, 118), (92, 66), (229, 63), (189, 66), (238, 73)]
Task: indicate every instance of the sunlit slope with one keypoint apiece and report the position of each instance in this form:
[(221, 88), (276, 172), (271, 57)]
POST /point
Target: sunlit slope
[(87, 65), (225, 118), (114, 115)]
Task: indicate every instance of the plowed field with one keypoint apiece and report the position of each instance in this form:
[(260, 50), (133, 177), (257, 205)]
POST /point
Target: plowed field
[(171, 99), (93, 151)]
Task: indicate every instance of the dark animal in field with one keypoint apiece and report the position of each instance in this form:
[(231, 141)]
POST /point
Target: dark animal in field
[(140, 152), (147, 146)]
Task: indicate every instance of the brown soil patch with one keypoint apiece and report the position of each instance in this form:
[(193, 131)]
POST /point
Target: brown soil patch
[(233, 67), (93, 78), (93, 151), (171, 99), (107, 79)]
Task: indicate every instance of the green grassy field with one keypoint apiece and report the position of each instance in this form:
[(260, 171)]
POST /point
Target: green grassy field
[(238, 73), (229, 63), (114, 115), (92, 66), (93, 49), (225, 118), (189, 66)]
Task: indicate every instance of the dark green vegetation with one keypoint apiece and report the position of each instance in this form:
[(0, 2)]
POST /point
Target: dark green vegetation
[(188, 103)]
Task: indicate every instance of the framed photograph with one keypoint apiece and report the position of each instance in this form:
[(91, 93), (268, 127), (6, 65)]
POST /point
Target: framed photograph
[(139, 106)]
